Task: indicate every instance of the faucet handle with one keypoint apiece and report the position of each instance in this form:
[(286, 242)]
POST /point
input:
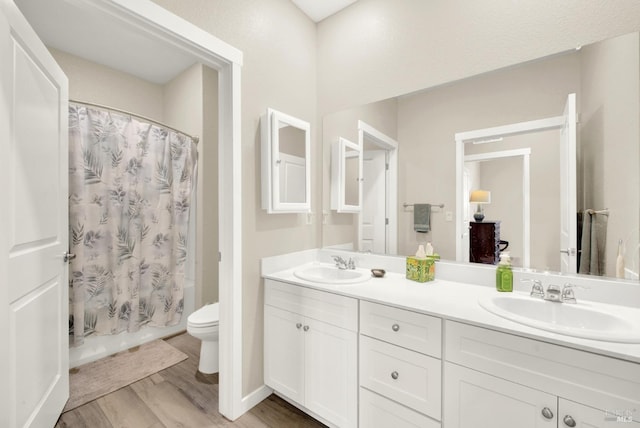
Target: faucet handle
[(536, 289), (568, 296), (352, 263)]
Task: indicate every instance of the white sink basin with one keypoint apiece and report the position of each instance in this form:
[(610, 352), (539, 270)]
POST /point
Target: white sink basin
[(332, 275), (586, 320)]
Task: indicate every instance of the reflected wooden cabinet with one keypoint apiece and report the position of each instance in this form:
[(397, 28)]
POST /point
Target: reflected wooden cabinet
[(484, 242)]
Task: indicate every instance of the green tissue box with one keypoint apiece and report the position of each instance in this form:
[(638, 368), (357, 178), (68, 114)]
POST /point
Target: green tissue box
[(421, 269)]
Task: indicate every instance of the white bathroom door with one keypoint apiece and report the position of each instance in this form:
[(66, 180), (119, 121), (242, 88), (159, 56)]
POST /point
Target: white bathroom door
[(568, 211), (34, 359), (373, 223)]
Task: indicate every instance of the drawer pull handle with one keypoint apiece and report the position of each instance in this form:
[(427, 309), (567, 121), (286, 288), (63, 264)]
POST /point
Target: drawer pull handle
[(395, 327), (305, 328), (547, 413), (394, 375), (569, 421), (298, 325)]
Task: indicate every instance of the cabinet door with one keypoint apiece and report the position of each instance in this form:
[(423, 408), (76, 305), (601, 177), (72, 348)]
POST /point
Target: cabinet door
[(572, 414), (331, 390), (476, 400), (284, 352)]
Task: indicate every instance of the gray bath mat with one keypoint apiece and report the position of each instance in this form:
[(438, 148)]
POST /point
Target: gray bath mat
[(93, 380)]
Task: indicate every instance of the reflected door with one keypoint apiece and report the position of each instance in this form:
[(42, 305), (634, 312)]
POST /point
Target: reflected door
[(292, 178), (568, 210), (374, 195)]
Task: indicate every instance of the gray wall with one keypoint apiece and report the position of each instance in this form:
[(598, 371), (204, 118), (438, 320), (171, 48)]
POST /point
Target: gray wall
[(376, 49), (610, 121)]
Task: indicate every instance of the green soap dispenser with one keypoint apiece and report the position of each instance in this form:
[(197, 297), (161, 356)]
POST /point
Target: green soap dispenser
[(504, 274)]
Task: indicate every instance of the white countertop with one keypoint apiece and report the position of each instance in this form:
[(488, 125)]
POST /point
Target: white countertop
[(454, 301)]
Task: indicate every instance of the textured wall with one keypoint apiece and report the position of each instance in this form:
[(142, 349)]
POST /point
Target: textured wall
[(278, 42), (376, 49), (94, 83)]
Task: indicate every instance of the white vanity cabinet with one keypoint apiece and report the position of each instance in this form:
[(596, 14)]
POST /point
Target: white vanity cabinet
[(311, 350), (400, 368), (474, 399), (496, 380)]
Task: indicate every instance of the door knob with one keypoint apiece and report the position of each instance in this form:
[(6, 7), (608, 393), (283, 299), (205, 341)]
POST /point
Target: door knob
[(394, 375), (67, 257), (395, 327), (569, 421), (547, 413)]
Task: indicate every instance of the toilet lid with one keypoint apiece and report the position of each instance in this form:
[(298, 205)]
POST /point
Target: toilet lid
[(206, 315)]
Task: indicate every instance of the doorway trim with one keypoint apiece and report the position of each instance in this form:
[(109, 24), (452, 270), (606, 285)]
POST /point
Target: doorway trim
[(157, 22), (526, 193), (391, 146), (462, 138)]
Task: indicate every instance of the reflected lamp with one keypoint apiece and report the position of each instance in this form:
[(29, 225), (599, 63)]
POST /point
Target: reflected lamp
[(480, 197)]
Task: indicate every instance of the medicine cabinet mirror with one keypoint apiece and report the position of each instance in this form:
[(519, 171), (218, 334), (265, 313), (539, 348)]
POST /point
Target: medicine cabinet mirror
[(286, 163), (346, 176)]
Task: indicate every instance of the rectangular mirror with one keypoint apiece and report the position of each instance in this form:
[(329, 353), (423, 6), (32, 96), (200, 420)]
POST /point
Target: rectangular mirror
[(286, 160), (346, 176), (605, 77)]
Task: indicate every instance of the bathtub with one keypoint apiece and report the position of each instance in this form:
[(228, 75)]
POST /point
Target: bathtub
[(96, 347)]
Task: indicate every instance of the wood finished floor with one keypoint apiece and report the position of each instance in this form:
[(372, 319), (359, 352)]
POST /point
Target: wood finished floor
[(179, 396)]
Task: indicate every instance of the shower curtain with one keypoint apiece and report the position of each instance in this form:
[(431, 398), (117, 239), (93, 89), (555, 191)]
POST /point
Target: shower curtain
[(130, 186)]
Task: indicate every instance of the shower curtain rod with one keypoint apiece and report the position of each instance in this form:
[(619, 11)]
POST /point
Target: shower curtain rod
[(128, 113)]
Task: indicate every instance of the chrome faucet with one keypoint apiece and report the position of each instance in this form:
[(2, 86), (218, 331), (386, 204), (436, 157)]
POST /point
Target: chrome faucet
[(553, 292), (344, 264), (536, 289)]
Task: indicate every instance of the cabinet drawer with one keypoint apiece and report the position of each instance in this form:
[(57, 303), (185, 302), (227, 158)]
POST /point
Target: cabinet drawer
[(379, 412), (408, 329), (319, 305), (402, 375), (594, 380)]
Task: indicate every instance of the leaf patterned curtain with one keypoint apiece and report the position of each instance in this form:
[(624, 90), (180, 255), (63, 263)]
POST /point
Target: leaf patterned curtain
[(130, 186)]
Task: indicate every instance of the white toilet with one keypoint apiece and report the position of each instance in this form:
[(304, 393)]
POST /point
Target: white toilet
[(203, 325)]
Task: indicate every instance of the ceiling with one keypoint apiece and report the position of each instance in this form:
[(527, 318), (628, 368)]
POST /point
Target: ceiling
[(70, 27), (318, 10), (73, 28)]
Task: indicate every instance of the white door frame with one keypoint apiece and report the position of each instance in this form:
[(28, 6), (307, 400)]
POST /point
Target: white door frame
[(391, 146), (155, 21), (487, 134), (526, 193)]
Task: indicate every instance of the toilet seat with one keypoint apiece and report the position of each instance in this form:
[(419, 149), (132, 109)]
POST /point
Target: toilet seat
[(206, 316)]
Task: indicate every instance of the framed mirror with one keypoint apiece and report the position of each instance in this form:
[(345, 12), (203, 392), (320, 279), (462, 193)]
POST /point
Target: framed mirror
[(286, 163), (346, 176)]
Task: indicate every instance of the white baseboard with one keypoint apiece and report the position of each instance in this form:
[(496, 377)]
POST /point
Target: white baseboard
[(251, 400)]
